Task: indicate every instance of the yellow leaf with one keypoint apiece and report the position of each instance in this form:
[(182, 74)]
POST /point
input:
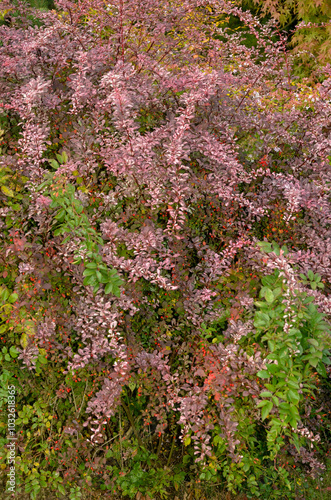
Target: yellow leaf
[(24, 341), (29, 327), (7, 192)]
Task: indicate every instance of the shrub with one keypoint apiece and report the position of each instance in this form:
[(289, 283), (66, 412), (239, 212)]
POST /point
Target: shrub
[(158, 177)]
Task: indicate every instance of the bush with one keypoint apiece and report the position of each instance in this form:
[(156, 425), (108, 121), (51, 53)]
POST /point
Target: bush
[(165, 204)]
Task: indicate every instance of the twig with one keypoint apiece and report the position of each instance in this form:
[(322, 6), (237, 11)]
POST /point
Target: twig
[(128, 413), (121, 452), (171, 450), (81, 406)]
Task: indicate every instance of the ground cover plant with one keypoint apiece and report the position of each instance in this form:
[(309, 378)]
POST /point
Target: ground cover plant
[(165, 257)]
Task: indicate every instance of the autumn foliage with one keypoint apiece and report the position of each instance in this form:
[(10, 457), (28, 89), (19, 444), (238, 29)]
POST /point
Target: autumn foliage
[(165, 259)]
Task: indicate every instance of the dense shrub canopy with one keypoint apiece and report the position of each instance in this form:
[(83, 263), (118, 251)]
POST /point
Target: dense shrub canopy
[(165, 208)]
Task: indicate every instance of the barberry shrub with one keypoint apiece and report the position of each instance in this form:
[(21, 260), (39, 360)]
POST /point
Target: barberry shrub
[(165, 266)]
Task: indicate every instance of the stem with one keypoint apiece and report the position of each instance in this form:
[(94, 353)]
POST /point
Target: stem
[(121, 440), (81, 406), (73, 397), (171, 450), (104, 444), (159, 445), (129, 415)]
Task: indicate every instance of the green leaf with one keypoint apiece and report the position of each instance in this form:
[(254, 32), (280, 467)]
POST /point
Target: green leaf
[(313, 362), (54, 164), (4, 294), (308, 300), (273, 368), (60, 215), (105, 278), (294, 411), (265, 246), (285, 249), (292, 396), (60, 159), (117, 292), (266, 410), (310, 275), (13, 352), (276, 248), (268, 280), (12, 298), (293, 423), (293, 384), (283, 353), (263, 374), (313, 342), (261, 320), (269, 296), (42, 360), (262, 403), (275, 400), (89, 272), (265, 394), (79, 208), (108, 288), (89, 280), (277, 291), (296, 442), (320, 368), (271, 345), (61, 489), (59, 231), (91, 265), (70, 189), (326, 357)]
